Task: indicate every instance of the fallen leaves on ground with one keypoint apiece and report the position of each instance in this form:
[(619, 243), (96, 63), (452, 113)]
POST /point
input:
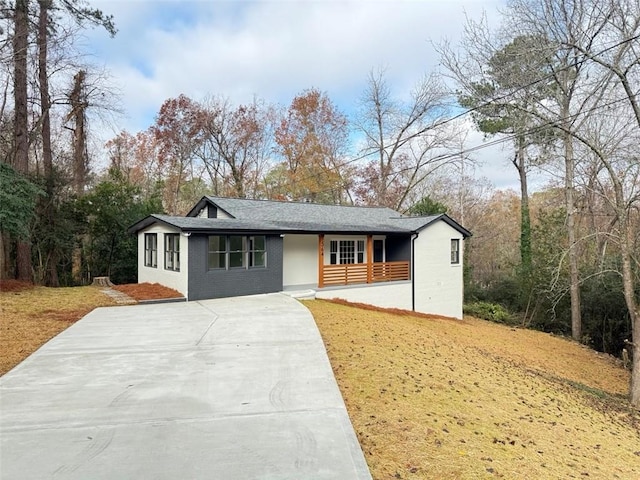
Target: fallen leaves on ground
[(30, 316), (468, 399), (147, 291), (14, 286)]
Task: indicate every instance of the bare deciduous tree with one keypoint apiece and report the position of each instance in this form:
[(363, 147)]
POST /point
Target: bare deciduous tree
[(596, 48), (236, 145), (404, 138)]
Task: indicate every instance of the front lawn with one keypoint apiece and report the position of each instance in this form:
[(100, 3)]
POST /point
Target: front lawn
[(470, 399), (431, 398)]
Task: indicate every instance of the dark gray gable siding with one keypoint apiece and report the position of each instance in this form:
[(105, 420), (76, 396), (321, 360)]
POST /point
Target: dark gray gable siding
[(205, 283)]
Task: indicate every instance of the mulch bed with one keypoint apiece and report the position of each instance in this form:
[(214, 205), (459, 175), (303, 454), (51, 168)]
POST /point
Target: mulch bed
[(147, 291), (137, 291), (14, 286)]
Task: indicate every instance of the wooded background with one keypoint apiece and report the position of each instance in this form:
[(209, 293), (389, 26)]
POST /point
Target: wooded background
[(557, 84)]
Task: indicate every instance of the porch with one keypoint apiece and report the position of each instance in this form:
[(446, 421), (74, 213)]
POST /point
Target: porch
[(363, 273), (368, 271)]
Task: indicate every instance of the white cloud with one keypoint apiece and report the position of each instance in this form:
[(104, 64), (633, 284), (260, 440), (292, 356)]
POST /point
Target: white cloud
[(276, 49), (272, 49)]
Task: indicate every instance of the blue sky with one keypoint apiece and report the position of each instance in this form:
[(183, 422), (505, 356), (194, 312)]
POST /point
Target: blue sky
[(275, 49)]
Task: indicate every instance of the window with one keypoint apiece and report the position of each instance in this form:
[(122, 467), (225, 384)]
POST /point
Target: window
[(151, 250), (360, 252), (346, 251), (237, 251), (172, 251), (217, 251), (257, 251), (333, 252), (455, 251)]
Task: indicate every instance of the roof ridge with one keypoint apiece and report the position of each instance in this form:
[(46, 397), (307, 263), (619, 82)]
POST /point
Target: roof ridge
[(299, 202)]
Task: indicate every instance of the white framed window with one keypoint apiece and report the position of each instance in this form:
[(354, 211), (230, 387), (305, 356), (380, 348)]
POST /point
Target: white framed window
[(151, 250), (360, 251), (455, 251), (333, 252), (172, 251), (346, 252)]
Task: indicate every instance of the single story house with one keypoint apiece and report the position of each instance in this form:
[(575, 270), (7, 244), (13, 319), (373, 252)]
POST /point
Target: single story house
[(229, 247)]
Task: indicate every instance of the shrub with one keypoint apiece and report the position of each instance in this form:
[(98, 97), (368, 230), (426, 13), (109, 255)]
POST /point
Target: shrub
[(493, 312)]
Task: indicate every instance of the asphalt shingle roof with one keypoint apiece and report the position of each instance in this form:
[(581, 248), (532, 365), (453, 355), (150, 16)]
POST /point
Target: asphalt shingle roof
[(297, 217), (284, 226), (266, 210)]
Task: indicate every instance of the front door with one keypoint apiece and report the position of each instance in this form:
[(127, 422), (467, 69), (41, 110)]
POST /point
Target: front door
[(378, 251)]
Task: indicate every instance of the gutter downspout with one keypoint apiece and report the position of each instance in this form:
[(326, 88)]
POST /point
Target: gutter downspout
[(413, 271), (187, 235)]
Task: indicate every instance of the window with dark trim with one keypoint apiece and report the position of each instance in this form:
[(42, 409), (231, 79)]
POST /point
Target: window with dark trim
[(151, 250), (217, 251), (257, 251), (237, 251), (455, 251), (172, 251)]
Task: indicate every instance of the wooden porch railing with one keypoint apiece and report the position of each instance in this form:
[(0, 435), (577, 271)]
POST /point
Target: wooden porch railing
[(390, 271), (351, 273)]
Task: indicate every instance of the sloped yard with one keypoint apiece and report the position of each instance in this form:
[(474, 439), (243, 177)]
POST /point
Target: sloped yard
[(446, 399), (429, 398), (30, 316)]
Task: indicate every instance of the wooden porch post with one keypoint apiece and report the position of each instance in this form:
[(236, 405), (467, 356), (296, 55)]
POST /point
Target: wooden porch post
[(321, 260), (369, 258)]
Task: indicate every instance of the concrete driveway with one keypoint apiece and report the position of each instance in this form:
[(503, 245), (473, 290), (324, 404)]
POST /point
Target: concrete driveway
[(237, 388)]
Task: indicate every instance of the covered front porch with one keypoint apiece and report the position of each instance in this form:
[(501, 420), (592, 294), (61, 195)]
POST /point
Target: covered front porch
[(348, 261)]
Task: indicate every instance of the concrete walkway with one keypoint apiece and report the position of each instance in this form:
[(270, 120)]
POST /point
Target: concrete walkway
[(237, 388)]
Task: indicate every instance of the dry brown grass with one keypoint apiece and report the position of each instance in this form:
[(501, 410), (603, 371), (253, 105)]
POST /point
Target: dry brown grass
[(429, 398), (450, 399), (30, 316)]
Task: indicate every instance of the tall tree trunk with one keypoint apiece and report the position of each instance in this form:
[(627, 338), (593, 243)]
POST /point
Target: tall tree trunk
[(574, 271), (4, 257), (20, 130), (238, 180), (635, 372), (520, 163), (626, 253), (51, 276), (20, 45), (634, 312), (78, 113), (566, 81), (45, 102), (76, 261)]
